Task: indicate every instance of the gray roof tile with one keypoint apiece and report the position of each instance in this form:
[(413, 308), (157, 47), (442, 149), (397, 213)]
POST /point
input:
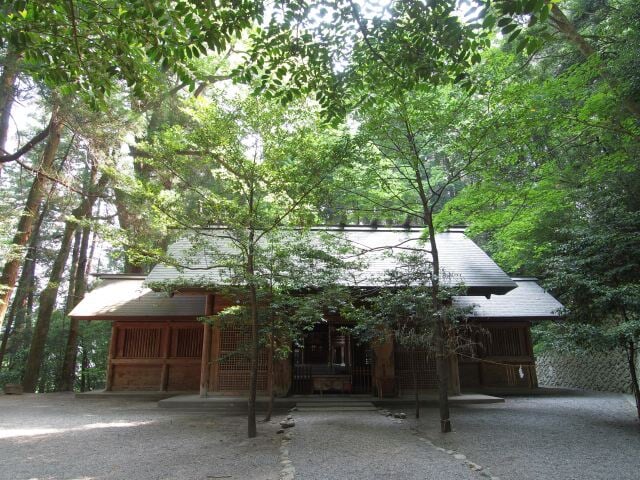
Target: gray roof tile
[(529, 301), (460, 258), (114, 298)]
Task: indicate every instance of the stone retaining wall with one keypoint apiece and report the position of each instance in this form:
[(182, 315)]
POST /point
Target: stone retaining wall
[(606, 372)]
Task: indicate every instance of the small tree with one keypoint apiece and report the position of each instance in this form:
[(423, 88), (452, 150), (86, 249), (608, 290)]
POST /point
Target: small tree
[(405, 306), (419, 155), (252, 167)]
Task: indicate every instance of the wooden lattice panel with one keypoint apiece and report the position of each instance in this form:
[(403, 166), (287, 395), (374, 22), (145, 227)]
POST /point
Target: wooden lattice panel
[(141, 342), (505, 342), (186, 342), (425, 367), (234, 363)]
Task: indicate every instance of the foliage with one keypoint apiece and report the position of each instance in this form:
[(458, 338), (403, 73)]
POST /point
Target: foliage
[(405, 306), (89, 47), (94, 339)]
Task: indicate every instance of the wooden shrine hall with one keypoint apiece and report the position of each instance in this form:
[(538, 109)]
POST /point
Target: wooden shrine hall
[(158, 343)]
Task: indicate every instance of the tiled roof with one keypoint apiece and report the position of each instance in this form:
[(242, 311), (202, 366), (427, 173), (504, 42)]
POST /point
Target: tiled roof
[(460, 258), (529, 301), (120, 296)]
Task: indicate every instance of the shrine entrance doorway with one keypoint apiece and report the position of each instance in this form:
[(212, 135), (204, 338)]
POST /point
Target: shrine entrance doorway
[(331, 362)]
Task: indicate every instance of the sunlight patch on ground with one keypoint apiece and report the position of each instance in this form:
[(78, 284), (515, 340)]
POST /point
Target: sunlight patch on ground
[(33, 432), (78, 478)]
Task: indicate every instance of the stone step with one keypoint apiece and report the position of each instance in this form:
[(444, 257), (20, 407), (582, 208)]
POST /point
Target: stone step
[(337, 409), (333, 403), (335, 406)]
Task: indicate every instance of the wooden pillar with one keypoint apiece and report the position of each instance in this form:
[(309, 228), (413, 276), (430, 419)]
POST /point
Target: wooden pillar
[(113, 342), (206, 349), (164, 353), (454, 375), (384, 367), (215, 355)]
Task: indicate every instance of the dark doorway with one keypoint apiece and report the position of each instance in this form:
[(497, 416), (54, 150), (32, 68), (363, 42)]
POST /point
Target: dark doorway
[(329, 361)]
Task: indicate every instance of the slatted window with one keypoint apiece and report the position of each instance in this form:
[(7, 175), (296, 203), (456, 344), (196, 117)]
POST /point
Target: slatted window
[(505, 342), (141, 342), (234, 364), (187, 342)]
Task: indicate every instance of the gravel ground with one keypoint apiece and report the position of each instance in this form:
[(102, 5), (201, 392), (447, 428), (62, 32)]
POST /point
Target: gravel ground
[(366, 445), (581, 436), (58, 437)]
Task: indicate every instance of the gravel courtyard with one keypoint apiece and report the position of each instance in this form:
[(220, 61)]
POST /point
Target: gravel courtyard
[(58, 437), (577, 436), (582, 435)]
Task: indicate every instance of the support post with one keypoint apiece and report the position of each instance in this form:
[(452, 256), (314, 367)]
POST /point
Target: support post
[(454, 375), (164, 376), (215, 355), (206, 349), (113, 342)]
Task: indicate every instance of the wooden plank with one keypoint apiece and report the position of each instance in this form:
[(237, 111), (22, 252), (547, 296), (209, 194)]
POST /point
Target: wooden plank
[(156, 361)]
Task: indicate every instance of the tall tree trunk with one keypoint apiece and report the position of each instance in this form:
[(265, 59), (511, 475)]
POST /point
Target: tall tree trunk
[(442, 357), (47, 304), (28, 324), (253, 376), (7, 94), (414, 374), (20, 304), (48, 297), (566, 28), (73, 268), (130, 224), (267, 417), (63, 381), (67, 376), (635, 388), (83, 369), (29, 213), (442, 363)]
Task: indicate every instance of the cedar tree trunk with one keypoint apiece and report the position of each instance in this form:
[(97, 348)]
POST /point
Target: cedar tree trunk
[(7, 93), (67, 377), (49, 295), (20, 305), (29, 212)]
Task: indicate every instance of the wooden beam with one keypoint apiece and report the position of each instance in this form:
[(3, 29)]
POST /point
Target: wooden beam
[(164, 353), (206, 349), (215, 355), (111, 355)]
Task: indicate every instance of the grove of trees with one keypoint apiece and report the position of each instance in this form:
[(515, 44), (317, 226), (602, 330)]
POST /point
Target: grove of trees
[(122, 123)]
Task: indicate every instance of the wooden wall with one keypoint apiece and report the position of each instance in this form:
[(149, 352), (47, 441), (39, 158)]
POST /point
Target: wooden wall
[(504, 358), (167, 356), (155, 356)]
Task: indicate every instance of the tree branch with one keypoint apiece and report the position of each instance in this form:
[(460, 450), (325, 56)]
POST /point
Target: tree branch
[(26, 147)]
